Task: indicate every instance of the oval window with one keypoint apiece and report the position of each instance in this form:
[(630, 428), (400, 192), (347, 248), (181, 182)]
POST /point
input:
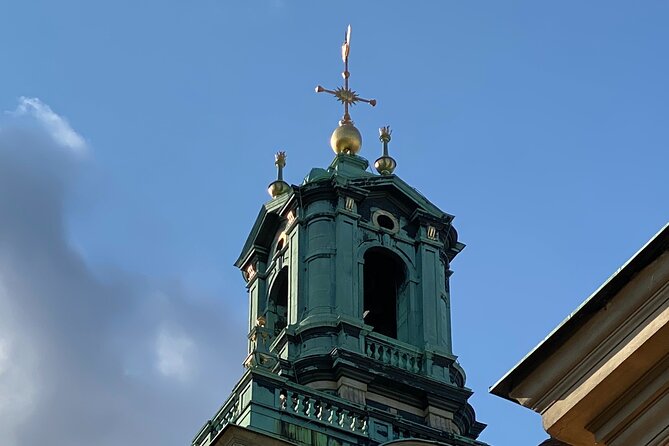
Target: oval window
[(385, 222)]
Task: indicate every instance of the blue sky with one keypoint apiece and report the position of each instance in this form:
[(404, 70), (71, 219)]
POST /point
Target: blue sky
[(138, 143)]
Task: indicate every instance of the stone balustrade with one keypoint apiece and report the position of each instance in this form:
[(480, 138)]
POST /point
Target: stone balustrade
[(228, 414), (393, 354), (323, 410)]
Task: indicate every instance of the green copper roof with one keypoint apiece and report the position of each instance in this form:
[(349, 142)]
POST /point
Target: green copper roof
[(349, 171)]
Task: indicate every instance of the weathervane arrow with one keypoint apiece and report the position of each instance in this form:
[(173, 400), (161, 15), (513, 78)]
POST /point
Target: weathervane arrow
[(344, 94)]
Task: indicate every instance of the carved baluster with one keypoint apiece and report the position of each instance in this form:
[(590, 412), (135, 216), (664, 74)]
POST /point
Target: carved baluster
[(318, 406), (282, 400), (309, 407), (386, 355), (296, 402), (341, 417), (331, 414), (232, 412)]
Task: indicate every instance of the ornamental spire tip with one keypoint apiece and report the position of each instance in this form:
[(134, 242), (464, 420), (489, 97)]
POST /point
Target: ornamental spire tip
[(344, 94), (348, 140)]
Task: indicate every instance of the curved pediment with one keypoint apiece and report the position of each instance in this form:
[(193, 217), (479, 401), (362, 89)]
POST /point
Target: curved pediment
[(264, 229)]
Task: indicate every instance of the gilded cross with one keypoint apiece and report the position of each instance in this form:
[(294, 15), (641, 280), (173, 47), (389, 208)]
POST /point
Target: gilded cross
[(344, 94)]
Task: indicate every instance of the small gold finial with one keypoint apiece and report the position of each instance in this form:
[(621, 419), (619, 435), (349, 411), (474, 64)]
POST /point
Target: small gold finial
[(386, 164), (384, 136), (346, 138), (280, 161), (279, 187)]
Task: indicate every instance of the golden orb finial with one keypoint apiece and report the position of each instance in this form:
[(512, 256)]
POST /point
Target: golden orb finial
[(386, 164), (279, 187), (346, 138)]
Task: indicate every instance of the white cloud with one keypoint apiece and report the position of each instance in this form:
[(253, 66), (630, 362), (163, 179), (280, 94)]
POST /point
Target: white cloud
[(174, 353), (79, 351), (17, 386), (57, 126), (18, 378), (4, 356)]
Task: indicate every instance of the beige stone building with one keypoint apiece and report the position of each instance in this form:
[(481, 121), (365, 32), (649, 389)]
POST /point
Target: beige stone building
[(234, 435), (602, 376)]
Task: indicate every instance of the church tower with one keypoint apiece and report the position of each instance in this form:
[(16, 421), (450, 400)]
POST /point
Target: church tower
[(349, 311)]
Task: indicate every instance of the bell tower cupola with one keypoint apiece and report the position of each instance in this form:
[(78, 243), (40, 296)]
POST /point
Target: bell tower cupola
[(349, 329)]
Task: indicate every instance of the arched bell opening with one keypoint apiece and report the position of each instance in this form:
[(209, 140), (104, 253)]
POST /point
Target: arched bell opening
[(278, 301), (385, 285)]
